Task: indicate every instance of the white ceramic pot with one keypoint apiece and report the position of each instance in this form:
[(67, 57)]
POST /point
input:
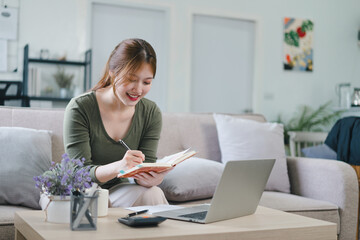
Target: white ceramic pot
[(63, 92), (58, 210)]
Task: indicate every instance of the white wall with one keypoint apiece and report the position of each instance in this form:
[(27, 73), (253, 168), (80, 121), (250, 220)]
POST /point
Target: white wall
[(151, 24), (62, 26), (58, 26)]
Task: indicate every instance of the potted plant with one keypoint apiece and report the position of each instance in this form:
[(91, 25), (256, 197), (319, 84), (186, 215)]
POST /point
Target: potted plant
[(312, 120), (64, 81), (57, 184)]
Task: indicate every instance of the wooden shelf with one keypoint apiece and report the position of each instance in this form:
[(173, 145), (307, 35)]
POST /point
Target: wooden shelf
[(86, 65), (36, 60), (57, 99)]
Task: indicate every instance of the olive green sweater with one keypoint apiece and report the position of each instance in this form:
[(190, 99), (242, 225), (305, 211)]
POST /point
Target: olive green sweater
[(85, 135)]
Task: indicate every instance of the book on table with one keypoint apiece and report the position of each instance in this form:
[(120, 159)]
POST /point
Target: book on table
[(160, 165)]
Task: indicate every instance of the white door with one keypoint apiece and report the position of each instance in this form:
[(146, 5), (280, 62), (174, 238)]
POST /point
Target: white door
[(222, 64), (113, 23)]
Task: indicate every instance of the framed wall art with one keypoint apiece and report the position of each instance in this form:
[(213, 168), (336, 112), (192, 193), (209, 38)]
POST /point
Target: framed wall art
[(298, 44)]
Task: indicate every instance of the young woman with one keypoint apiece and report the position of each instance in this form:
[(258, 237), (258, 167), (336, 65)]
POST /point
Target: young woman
[(116, 110)]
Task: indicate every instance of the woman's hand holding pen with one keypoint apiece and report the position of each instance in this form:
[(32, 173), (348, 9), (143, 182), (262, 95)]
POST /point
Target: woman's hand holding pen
[(132, 158), (107, 172)]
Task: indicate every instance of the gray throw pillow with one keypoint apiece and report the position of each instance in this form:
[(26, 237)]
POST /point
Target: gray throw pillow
[(320, 151), (25, 153), (194, 178)]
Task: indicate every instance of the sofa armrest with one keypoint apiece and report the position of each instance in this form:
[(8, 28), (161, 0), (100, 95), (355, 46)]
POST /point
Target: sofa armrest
[(328, 180)]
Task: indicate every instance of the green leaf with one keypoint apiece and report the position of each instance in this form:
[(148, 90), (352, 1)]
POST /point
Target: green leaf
[(307, 26), (292, 38)]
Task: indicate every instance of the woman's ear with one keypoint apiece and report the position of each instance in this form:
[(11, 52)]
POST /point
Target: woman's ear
[(111, 74)]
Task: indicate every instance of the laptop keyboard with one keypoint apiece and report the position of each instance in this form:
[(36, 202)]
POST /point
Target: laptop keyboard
[(197, 215)]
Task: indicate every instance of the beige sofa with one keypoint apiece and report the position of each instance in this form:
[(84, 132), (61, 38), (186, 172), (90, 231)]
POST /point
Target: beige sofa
[(322, 189)]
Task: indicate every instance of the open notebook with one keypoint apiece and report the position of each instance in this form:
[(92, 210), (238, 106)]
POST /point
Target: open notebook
[(160, 166)]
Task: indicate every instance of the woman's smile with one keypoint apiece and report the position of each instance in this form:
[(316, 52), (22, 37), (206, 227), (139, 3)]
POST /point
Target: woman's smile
[(133, 97)]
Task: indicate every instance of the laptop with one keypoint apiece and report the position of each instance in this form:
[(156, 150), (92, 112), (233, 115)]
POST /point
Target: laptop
[(237, 194)]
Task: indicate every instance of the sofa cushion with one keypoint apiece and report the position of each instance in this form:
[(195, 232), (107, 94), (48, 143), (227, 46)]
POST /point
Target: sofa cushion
[(195, 178), (25, 153), (320, 151), (242, 139), (295, 204), (196, 130), (302, 206), (40, 118), (7, 213)]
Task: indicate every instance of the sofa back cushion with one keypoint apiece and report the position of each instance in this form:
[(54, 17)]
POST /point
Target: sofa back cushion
[(47, 119), (179, 131), (196, 130)]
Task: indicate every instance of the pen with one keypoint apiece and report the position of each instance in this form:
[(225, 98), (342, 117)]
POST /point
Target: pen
[(124, 144), (137, 213)]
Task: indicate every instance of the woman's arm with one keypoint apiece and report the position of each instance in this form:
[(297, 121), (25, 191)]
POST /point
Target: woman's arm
[(148, 145), (76, 132), (109, 171), (150, 139)]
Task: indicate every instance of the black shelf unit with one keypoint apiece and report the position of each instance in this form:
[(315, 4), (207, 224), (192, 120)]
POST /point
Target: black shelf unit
[(26, 97)]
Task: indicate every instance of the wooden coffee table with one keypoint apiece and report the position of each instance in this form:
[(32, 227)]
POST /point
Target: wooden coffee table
[(266, 223)]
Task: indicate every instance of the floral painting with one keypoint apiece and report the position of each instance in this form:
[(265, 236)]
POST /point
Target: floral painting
[(298, 44)]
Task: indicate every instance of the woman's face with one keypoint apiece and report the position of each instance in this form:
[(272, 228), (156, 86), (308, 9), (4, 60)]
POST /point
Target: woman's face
[(135, 86)]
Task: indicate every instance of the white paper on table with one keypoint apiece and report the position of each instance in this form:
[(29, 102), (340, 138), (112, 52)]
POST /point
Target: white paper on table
[(8, 23), (154, 209), (3, 55)]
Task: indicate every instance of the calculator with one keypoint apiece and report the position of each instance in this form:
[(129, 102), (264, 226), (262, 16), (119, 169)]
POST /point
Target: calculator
[(142, 221)]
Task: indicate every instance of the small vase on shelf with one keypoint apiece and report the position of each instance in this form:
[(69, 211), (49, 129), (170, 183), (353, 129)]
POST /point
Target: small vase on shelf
[(64, 81), (63, 92)]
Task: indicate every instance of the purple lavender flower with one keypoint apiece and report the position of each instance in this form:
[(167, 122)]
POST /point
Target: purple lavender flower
[(64, 177)]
